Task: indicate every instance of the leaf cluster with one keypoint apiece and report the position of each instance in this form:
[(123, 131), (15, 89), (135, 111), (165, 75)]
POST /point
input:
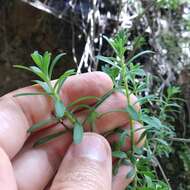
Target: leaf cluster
[(130, 78), (43, 68)]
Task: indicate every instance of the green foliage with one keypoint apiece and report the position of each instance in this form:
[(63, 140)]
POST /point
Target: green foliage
[(44, 70), (171, 4), (128, 78), (185, 157), (78, 133)]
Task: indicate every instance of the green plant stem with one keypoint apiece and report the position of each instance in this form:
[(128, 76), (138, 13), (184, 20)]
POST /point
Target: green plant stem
[(56, 95), (70, 117), (123, 66)]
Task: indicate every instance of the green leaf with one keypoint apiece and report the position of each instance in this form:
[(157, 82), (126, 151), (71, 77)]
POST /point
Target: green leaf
[(173, 90), (132, 112), (62, 78), (104, 97), (139, 54), (145, 99), (140, 72), (111, 43), (38, 72), (81, 106), (82, 99), (44, 85), (22, 67), (92, 116), (122, 138), (37, 58), (54, 62), (46, 62), (107, 60), (151, 121), (34, 70), (59, 108), (78, 133), (119, 154), (32, 94), (48, 138), (148, 181), (41, 124)]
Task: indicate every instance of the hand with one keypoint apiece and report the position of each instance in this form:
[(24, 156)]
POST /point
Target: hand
[(84, 166)]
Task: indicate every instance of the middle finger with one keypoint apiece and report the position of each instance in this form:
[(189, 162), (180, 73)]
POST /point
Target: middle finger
[(34, 167)]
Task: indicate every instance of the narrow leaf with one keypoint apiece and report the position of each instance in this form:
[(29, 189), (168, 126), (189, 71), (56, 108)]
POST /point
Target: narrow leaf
[(22, 67), (122, 138), (41, 124), (78, 133), (46, 62), (111, 43), (132, 112), (107, 60), (82, 99), (62, 78), (153, 122), (104, 97), (81, 106), (38, 72), (59, 109), (54, 62), (119, 154), (32, 94), (145, 99), (44, 85), (98, 103), (140, 54), (48, 138), (37, 58)]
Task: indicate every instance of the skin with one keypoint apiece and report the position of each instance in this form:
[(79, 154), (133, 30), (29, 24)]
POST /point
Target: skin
[(59, 164)]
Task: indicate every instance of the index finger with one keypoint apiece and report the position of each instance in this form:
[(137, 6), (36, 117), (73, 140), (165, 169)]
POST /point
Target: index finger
[(19, 114)]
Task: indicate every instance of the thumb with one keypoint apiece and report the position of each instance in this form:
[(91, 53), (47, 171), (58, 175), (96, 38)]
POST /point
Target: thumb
[(86, 166)]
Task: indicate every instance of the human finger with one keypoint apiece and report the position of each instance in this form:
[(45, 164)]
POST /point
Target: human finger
[(34, 167), (86, 166), (123, 177), (7, 180), (115, 101), (108, 116), (19, 114)]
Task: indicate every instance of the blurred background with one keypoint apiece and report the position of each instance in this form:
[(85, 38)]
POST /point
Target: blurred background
[(76, 27)]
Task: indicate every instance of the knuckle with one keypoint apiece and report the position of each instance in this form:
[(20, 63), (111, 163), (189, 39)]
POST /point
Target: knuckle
[(82, 176)]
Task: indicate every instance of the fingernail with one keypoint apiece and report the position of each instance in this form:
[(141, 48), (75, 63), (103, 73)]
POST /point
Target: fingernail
[(93, 146)]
